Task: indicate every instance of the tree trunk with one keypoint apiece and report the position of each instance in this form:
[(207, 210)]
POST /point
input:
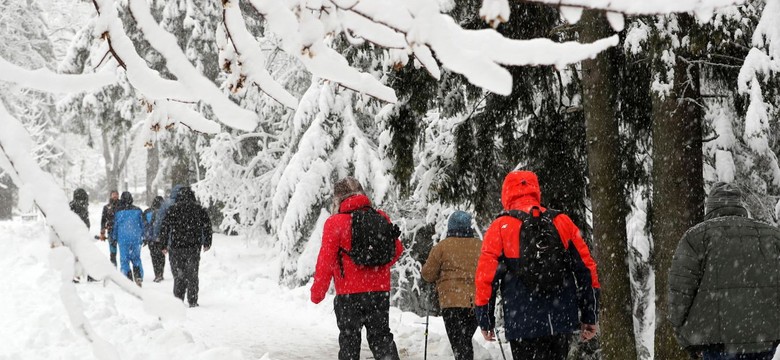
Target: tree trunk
[(607, 194), (678, 183), (7, 196), (152, 166), (112, 176), (180, 171)]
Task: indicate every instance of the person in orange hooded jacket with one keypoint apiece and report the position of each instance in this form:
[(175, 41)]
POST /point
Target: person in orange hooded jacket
[(362, 293), (538, 325)]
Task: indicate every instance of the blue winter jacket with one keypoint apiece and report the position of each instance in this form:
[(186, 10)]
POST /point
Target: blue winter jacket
[(128, 222)]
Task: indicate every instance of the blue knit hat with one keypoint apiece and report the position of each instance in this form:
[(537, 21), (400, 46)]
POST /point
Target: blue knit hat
[(459, 225)]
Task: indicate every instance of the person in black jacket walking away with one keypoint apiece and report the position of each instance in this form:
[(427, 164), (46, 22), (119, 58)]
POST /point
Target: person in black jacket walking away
[(107, 224), (724, 283), (155, 245), (186, 229), (80, 206)]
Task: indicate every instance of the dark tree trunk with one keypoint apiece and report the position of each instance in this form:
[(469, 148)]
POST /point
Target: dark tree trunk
[(678, 184), (152, 166), (607, 193), (7, 197), (180, 171)]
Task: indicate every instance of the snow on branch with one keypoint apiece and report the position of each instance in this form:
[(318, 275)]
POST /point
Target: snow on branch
[(477, 54), (250, 59), (202, 88), (46, 80), (303, 38), (16, 152), (639, 7)]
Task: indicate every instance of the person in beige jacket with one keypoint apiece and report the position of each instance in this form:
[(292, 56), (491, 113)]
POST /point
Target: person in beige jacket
[(451, 265)]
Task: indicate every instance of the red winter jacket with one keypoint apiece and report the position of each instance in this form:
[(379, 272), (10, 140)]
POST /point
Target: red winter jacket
[(357, 279)]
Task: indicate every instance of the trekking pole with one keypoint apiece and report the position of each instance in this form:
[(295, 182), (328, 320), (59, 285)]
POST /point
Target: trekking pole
[(498, 336), (425, 355)]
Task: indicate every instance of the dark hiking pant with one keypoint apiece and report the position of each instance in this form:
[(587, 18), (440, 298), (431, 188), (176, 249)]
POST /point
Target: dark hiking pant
[(185, 263), (551, 347), (460, 323), (717, 355), (158, 258), (372, 310)]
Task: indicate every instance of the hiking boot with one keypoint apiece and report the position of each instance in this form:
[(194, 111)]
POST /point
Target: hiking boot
[(76, 280), (193, 305), (90, 279), (138, 282), (158, 279)]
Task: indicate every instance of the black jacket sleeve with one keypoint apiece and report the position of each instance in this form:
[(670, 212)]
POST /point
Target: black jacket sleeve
[(206, 232)]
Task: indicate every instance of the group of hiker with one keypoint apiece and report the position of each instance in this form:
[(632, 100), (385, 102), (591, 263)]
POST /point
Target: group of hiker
[(547, 278), (178, 227)]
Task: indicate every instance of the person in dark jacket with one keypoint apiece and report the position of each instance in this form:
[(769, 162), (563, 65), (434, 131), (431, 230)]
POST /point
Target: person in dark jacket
[(186, 230), (724, 283), (451, 265), (80, 206), (362, 293), (164, 209), (538, 324), (155, 245), (128, 230), (107, 224)]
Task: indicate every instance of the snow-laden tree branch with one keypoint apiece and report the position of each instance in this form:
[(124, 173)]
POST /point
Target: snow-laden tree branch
[(45, 80), (16, 159)]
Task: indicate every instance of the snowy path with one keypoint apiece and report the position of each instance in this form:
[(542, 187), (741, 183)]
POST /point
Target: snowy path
[(244, 313)]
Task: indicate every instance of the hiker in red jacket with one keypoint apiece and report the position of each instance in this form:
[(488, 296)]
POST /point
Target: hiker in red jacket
[(362, 291), (548, 278)]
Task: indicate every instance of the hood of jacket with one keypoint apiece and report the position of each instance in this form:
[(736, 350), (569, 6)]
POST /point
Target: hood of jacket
[(185, 195), (724, 199), (520, 191), (354, 202)]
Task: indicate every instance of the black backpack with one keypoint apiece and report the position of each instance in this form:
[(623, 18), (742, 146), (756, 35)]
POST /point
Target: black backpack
[(373, 238), (544, 263)]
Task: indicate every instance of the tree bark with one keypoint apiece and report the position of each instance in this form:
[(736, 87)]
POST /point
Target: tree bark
[(7, 196), (112, 176), (607, 193), (678, 183), (180, 170), (152, 166)]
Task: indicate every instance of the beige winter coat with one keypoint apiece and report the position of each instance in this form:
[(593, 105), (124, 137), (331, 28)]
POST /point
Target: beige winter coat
[(451, 265)]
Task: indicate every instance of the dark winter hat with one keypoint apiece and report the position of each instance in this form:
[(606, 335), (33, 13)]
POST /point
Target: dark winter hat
[(80, 195), (724, 199), (459, 225), (157, 202), (345, 188), (126, 200)]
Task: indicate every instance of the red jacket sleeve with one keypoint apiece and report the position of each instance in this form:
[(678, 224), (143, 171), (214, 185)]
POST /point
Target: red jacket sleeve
[(492, 249), (327, 260)]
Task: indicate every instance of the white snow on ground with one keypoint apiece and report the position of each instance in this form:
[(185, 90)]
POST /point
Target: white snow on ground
[(243, 313)]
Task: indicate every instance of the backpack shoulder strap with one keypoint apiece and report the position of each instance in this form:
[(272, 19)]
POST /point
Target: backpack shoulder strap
[(517, 214)]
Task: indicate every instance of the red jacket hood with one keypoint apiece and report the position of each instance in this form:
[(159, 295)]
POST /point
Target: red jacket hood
[(520, 191), (354, 202)]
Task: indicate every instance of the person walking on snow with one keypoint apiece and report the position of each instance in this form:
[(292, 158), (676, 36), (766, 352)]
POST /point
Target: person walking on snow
[(724, 283), (155, 245), (362, 291), (127, 230), (80, 206), (451, 265), (547, 276), (186, 229), (107, 223)]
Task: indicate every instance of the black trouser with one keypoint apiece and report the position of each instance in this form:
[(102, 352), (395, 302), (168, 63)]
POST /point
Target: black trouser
[(460, 324), (551, 347), (185, 263), (372, 310), (158, 258)]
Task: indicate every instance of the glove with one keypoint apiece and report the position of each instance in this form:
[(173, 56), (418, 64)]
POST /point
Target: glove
[(693, 353), (485, 317)]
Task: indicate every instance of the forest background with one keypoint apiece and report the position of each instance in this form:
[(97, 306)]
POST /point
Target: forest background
[(626, 143)]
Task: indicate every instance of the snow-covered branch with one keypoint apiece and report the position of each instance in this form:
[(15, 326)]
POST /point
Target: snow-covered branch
[(45, 80), (634, 7), (16, 158)]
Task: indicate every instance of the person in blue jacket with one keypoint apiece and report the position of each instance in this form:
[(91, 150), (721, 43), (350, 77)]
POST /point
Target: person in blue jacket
[(128, 230)]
